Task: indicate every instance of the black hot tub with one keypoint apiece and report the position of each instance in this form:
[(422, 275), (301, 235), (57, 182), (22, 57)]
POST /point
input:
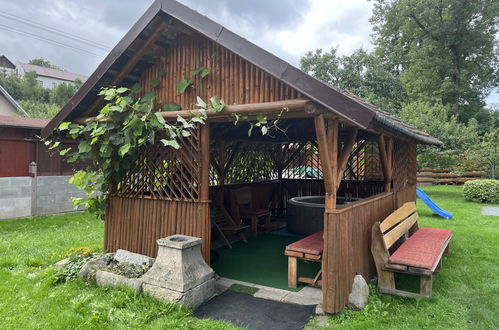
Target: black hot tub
[(305, 215)]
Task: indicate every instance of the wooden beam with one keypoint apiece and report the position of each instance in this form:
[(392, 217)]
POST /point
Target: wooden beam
[(204, 142), (345, 154), (324, 155), (385, 165), (333, 136), (221, 174), (130, 64), (296, 107)]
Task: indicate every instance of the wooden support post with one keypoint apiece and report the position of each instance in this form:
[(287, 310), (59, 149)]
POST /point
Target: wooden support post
[(333, 141), (204, 142), (425, 285), (345, 154), (221, 174), (386, 160), (324, 154), (292, 272)]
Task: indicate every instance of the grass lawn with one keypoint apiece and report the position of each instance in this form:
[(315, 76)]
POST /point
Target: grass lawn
[(465, 293)]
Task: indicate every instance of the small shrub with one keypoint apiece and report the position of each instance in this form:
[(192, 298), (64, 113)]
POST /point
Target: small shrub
[(77, 258), (483, 191)]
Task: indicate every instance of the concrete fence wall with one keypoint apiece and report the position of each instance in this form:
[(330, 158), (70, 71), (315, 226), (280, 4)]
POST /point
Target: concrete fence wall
[(27, 196)]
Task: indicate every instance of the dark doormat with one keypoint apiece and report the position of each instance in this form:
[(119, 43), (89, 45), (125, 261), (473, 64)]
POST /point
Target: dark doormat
[(255, 313)]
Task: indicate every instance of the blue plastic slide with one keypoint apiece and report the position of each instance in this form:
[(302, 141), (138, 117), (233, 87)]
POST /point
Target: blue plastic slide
[(431, 204)]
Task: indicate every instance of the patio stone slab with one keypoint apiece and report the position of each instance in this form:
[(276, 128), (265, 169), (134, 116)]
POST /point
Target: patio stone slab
[(490, 210)]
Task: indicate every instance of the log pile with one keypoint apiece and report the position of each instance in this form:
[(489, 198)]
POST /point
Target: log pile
[(428, 176)]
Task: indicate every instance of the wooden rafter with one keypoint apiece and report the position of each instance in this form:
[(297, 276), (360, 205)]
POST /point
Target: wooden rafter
[(345, 154), (132, 62)]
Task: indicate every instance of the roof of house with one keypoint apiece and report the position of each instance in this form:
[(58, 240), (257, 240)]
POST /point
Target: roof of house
[(348, 107), (52, 73), (6, 61), (11, 100), (8, 121)]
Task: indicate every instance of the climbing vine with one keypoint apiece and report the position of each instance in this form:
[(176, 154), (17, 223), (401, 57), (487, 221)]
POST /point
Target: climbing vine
[(112, 140)]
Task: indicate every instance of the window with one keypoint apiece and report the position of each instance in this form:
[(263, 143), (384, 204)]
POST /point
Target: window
[(39, 82)]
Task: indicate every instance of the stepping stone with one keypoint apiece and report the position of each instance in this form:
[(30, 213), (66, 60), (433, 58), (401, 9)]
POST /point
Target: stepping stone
[(490, 210)]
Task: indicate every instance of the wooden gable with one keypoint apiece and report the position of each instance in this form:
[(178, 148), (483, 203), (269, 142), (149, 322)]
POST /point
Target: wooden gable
[(231, 78)]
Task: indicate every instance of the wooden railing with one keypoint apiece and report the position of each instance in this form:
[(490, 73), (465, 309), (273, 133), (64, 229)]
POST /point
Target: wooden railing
[(347, 241)]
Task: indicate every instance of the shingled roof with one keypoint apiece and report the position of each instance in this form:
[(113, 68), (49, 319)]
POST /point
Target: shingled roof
[(348, 107)]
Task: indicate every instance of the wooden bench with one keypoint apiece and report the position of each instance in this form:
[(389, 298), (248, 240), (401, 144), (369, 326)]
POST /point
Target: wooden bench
[(399, 246), (309, 248)]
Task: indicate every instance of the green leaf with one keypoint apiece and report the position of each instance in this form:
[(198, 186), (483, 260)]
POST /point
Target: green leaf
[(155, 82), (205, 72), (64, 126), (65, 151), (185, 124), (201, 103), (197, 71), (136, 89), (55, 145), (124, 149), (197, 120), (170, 143), (162, 72), (160, 117), (121, 90), (84, 147), (264, 130), (171, 107), (183, 85)]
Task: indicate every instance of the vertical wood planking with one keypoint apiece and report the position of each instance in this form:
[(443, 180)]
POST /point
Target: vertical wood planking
[(347, 238), (135, 224), (232, 78)]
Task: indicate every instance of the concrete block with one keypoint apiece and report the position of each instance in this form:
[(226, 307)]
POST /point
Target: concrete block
[(271, 294), (133, 258), (103, 278), (191, 298), (91, 265), (4, 182)]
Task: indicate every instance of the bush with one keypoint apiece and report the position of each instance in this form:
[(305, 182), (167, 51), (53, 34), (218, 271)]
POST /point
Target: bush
[(483, 191)]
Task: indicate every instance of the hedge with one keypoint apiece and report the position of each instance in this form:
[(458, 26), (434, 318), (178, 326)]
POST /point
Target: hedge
[(483, 191)]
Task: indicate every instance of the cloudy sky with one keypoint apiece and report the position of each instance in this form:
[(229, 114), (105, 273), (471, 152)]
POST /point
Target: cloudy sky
[(78, 34)]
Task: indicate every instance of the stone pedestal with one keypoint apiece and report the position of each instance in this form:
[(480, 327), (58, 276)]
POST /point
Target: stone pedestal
[(180, 273)]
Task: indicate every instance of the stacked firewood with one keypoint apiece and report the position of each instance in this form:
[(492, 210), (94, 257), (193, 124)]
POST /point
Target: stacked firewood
[(429, 176)]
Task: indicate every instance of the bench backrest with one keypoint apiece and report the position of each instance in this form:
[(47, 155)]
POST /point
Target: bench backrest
[(398, 223)]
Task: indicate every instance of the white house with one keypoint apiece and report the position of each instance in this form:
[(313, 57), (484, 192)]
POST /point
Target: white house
[(48, 77)]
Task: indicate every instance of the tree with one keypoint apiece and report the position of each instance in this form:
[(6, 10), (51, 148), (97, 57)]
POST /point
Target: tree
[(444, 50), (434, 119), (61, 94), (41, 62), (486, 152), (361, 74)]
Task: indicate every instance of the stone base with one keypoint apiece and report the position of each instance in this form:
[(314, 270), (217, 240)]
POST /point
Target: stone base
[(191, 298), (103, 278)]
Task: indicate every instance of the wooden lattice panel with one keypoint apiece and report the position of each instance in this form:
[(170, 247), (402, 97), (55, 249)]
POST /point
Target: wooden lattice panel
[(372, 162), (301, 161), (253, 162), (165, 173)]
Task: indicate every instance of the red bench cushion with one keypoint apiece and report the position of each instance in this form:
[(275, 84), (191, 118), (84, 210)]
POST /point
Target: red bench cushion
[(313, 244), (422, 248)]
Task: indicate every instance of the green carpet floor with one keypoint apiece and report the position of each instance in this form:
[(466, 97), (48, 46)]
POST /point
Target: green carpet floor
[(261, 261)]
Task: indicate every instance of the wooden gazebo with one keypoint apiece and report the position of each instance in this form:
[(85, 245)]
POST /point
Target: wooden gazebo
[(357, 148)]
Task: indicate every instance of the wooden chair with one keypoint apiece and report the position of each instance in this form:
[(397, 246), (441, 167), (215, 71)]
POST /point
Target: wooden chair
[(225, 225), (399, 246), (244, 209), (309, 248)]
